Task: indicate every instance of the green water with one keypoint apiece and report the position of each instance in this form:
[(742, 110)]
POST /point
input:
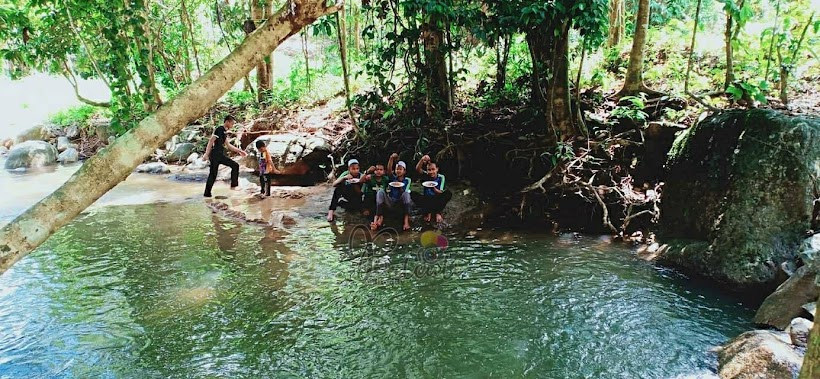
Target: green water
[(174, 291)]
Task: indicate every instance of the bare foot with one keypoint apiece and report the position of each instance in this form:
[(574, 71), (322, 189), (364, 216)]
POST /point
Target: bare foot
[(439, 219), (427, 217), (235, 188), (330, 216)]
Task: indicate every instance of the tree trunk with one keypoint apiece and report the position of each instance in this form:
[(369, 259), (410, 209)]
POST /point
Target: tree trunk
[(435, 67), (811, 361), (730, 77), (114, 163), (616, 23), (262, 79), (502, 55), (190, 29), (633, 84), (341, 31), (549, 44), (268, 8)]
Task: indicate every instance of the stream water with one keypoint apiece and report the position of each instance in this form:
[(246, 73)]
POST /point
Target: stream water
[(172, 290)]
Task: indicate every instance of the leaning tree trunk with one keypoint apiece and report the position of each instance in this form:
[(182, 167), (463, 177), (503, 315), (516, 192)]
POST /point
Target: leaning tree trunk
[(114, 163), (811, 361), (549, 45), (633, 84)]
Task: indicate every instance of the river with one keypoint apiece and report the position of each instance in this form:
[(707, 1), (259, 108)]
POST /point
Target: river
[(169, 289)]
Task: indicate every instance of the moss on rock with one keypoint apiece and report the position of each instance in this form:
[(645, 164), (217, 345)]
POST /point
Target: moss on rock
[(741, 185)]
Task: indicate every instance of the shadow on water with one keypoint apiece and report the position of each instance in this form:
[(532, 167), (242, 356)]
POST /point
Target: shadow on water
[(176, 291)]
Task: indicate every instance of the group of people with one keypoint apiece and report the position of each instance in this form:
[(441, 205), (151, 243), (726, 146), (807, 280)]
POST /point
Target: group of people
[(373, 192), (381, 188)]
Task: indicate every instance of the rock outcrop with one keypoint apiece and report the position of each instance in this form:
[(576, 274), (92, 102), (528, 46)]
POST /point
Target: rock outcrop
[(739, 196), (293, 154), (759, 354), (788, 299), (31, 154)]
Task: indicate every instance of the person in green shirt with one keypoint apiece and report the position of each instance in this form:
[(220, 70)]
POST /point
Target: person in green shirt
[(347, 191), (374, 180)]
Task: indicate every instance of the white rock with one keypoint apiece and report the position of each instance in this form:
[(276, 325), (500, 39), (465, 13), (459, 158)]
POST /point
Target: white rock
[(192, 158), (198, 164), (799, 331), (63, 143), (70, 155), (153, 168)]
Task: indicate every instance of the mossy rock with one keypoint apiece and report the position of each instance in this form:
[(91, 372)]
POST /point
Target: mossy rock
[(739, 195)]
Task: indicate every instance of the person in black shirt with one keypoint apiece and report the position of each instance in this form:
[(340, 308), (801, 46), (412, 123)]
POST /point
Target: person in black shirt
[(217, 155)]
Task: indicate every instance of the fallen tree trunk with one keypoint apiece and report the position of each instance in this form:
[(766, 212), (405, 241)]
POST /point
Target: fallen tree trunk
[(114, 163)]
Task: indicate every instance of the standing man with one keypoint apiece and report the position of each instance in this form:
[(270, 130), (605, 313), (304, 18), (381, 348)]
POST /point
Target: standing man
[(217, 155)]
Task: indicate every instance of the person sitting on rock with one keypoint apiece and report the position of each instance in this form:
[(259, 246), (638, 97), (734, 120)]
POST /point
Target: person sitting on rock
[(266, 168), (215, 152), (374, 181), (434, 197), (398, 192), (348, 190)]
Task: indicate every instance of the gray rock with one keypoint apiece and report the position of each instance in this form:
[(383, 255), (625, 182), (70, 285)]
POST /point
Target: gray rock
[(181, 152), (102, 128), (751, 172), (70, 155), (63, 143), (809, 251), (799, 330), (111, 139), (759, 354), (36, 133), (810, 308), (198, 164), (72, 131), (31, 154), (787, 301), (153, 168), (3, 150), (293, 154)]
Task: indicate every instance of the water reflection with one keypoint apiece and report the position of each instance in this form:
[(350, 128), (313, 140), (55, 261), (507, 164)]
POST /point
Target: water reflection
[(176, 291)]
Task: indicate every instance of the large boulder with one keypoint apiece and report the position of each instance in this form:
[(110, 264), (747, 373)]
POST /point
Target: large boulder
[(31, 154), (35, 133), (181, 152), (70, 155), (739, 196), (759, 354), (788, 299), (293, 154)]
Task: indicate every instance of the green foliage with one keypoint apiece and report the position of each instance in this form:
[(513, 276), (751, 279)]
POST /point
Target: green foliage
[(633, 109), (562, 152), (76, 115), (241, 98), (741, 90)]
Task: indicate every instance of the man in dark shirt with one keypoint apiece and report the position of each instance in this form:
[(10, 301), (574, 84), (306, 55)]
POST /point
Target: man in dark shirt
[(217, 155)]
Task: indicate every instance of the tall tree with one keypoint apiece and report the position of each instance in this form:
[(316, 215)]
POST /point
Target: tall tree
[(811, 361), (633, 83), (112, 165), (616, 23)]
